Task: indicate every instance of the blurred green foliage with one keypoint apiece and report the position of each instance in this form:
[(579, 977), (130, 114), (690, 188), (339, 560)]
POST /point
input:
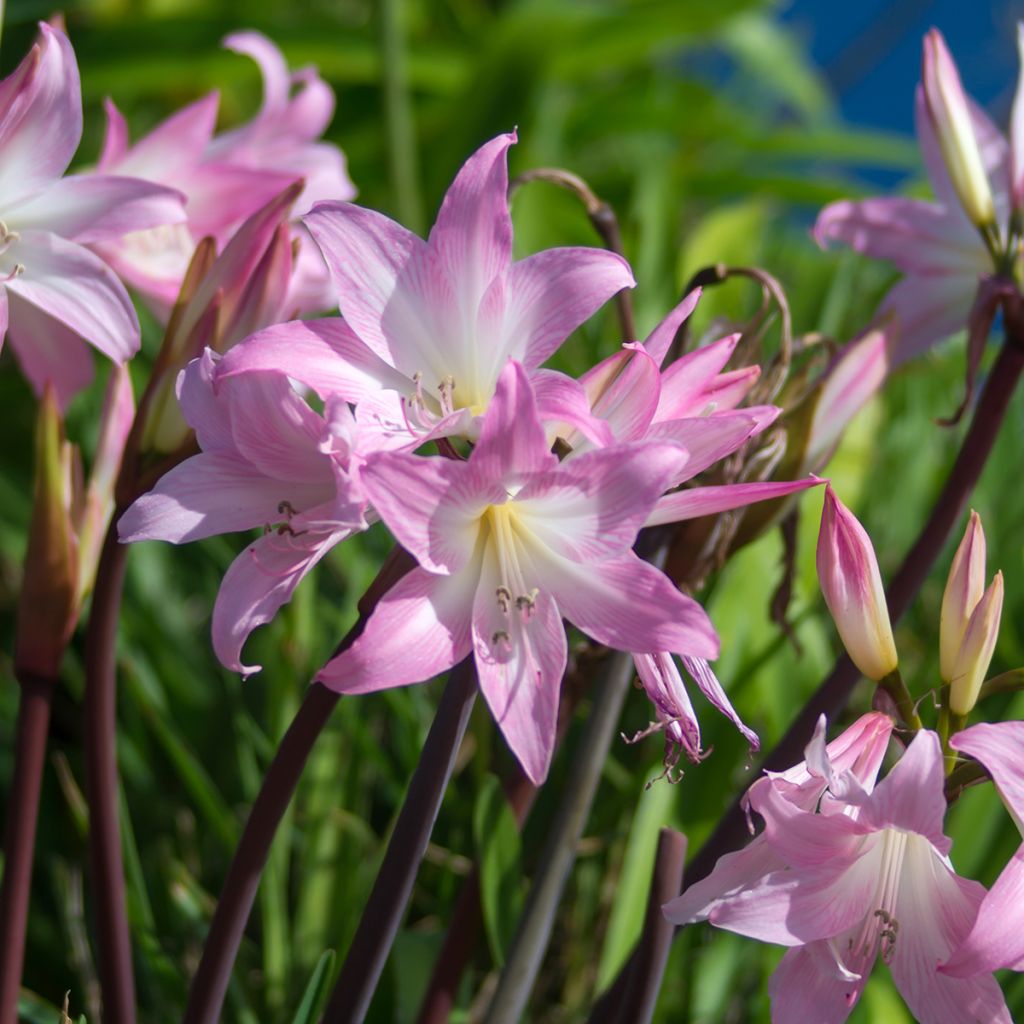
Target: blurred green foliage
[(715, 140)]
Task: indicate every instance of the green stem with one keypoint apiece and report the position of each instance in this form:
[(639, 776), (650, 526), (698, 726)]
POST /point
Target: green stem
[(897, 689)]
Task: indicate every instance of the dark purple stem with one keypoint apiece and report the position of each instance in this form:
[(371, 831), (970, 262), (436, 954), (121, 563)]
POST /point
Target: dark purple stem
[(20, 835), (114, 950), (834, 692), (391, 891)]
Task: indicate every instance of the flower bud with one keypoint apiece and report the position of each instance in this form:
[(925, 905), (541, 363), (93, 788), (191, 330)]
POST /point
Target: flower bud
[(964, 587), (950, 115), (975, 652), (48, 606), (852, 586)]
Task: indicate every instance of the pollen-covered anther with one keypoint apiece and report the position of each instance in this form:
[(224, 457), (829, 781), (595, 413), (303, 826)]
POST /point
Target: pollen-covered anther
[(499, 638), (526, 603), (447, 391), (285, 508), (6, 235), (19, 269), (887, 935), (504, 596)]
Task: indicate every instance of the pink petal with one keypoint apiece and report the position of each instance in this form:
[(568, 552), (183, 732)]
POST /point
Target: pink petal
[(801, 992), (554, 291), (561, 400), (48, 352), (918, 237), (433, 506), (709, 685), (927, 310), (520, 660), (707, 439), (421, 627), (659, 341), (934, 164), (704, 501), (996, 938), (665, 687), (911, 796), (208, 417), (276, 80), (260, 581), (592, 506), (221, 195), (684, 383), (627, 604), (210, 493), (77, 288), (323, 354), (935, 909), (512, 443), (390, 292), (94, 207), (624, 390), (40, 116), (472, 236), (115, 138), (998, 746)]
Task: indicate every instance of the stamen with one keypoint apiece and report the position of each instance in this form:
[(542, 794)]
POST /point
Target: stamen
[(19, 269), (447, 390), (504, 596)]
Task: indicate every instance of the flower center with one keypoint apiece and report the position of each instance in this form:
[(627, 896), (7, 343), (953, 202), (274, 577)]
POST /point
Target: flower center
[(515, 598), (880, 928), (7, 239)]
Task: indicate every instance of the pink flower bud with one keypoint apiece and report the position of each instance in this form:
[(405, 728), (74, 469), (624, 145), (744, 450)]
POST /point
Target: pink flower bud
[(48, 606), (852, 586), (975, 652), (950, 115), (964, 587)]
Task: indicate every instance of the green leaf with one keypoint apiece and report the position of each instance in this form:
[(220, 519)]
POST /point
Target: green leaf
[(498, 854), (316, 990)]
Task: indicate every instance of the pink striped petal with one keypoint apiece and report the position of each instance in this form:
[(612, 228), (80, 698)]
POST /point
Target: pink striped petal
[(625, 390), (421, 627), (707, 681), (562, 401), (706, 501), (800, 991), (999, 746), (115, 137), (927, 310), (707, 439), (659, 341)]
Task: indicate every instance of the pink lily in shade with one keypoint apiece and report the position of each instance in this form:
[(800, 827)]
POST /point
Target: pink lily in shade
[(865, 875), (54, 293), (430, 325), (268, 460), (941, 250), (228, 177), (997, 938), (509, 542)]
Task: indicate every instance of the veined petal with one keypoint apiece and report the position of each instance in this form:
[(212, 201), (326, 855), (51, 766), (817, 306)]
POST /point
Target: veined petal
[(707, 439), (390, 290), (259, 581), (276, 80), (115, 137), (47, 350), (591, 507), (708, 683), (659, 341), (686, 380), (550, 293), (95, 207), (562, 405), (322, 354), (627, 604), (420, 627), (512, 443), (704, 501), (77, 288), (935, 909), (624, 390), (472, 236), (432, 505), (40, 116), (520, 660), (998, 746), (210, 493), (801, 992), (209, 418), (927, 310)]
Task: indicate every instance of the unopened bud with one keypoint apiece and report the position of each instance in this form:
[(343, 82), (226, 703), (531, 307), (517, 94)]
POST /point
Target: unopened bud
[(975, 653), (48, 606), (948, 109), (964, 587), (852, 585)]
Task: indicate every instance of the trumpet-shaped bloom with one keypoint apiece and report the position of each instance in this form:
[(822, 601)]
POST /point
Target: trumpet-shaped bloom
[(268, 461), (226, 178), (936, 244), (852, 585), (54, 293), (509, 543), (434, 322), (997, 938), (865, 875)]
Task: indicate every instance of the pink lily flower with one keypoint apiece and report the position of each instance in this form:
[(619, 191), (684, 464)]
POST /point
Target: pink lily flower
[(864, 875), (509, 543), (430, 325), (267, 460), (228, 177), (940, 249), (996, 939), (54, 293)]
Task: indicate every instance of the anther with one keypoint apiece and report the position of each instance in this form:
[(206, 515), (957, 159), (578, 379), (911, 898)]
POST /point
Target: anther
[(285, 508), (500, 637), (504, 596)]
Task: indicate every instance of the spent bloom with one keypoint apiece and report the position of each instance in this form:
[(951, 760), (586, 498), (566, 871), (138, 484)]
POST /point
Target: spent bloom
[(55, 293), (509, 542), (863, 874), (971, 231), (852, 586)]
